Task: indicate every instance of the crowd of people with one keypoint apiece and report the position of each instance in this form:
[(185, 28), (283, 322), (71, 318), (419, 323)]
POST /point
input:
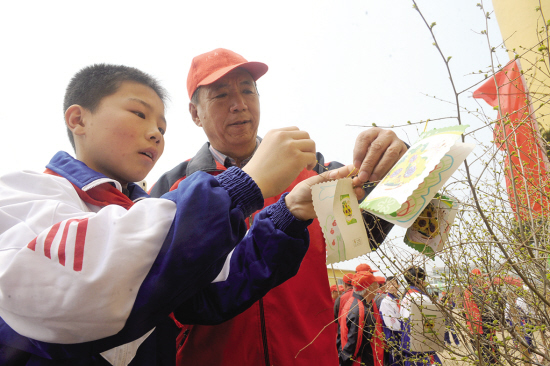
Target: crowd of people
[(374, 319)]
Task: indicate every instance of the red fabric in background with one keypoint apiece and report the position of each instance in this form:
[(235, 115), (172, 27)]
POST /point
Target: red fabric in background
[(520, 128), (473, 315)]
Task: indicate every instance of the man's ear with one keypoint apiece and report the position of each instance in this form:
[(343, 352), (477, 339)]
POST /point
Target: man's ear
[(74, 119), (195, 114)]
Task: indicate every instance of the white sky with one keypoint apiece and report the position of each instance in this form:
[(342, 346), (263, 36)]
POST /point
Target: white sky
[(331, 63)]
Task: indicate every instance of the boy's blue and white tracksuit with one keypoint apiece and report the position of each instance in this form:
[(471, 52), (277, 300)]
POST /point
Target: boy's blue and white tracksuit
[(87, 275)]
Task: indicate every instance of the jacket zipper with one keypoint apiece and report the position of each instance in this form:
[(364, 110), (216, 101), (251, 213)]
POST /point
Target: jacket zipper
[(264, 333), (262, 315)]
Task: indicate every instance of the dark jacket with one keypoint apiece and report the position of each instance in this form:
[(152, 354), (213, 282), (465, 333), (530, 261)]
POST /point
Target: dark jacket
[(277, 329), (362, 336)]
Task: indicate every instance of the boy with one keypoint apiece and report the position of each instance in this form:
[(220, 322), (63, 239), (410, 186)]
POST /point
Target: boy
[(90, 268)]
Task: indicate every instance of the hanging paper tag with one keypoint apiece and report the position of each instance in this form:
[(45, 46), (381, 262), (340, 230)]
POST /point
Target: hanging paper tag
[(429, 232), (341, 221)]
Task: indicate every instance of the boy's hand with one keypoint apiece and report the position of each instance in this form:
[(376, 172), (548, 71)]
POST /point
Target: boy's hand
[(300, 202), (376, 151), (281, 156)]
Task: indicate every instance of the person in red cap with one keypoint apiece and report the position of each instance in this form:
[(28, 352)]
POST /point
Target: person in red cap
[(381, 292), (334, 292), (348, 291), (363, 267), (348, 287), (479, 317), (277, 329), (362, 337)]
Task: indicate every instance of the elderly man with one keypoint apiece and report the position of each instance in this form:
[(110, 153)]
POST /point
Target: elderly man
[(338, 304), (479, 306), (348, 288), (278, 329), (361, 325)]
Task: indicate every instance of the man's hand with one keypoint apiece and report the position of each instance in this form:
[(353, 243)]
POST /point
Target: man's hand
[(300, 202), (281, 156), (376, 151)]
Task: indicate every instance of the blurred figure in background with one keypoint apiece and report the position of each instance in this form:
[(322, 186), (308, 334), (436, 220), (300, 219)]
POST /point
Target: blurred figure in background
[(361, 325), (389, 308), (415, 295)]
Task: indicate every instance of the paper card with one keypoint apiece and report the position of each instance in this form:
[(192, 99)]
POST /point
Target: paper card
[(412, 183), (341, 221), (427, 328), (429, 232)]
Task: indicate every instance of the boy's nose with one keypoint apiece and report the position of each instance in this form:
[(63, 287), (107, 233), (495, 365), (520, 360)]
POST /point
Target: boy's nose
[(154, 134)]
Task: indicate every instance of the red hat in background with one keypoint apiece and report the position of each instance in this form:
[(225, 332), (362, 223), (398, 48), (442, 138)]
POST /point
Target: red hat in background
[(362, 280), (341, 288), (380, 280), (364, 268), (211, 66), (333, 288), (348, 277), (476, 272)]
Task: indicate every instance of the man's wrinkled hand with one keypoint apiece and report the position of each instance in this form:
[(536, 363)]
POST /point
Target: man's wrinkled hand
[(376, 151)]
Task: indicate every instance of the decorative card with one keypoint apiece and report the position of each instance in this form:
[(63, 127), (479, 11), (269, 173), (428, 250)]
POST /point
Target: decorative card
[(412, 183), (400, 197), (340, 219), (429, 231)]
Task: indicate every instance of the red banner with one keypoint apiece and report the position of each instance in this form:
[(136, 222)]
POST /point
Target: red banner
[(515, 132)]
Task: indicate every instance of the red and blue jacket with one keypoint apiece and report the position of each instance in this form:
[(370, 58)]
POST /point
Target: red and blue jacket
[(338, 305), (89, 276), (360, 344), (289, 325)]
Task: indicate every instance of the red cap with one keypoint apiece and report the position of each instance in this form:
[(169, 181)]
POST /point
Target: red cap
[(348, 277), (211, 66), (380, 280), (476, 271), (364, 267), (363, 280), (333, 288), (341, 288)]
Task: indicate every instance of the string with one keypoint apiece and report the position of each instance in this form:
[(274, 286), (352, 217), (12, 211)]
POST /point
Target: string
[(368, 184)]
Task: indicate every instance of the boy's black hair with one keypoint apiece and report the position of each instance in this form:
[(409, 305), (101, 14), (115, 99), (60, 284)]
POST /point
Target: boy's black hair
[(415, 276), (390, 278), (93, 83)]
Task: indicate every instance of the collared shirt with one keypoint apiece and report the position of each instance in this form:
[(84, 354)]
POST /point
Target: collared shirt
[(228, 161), (389, 308)]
